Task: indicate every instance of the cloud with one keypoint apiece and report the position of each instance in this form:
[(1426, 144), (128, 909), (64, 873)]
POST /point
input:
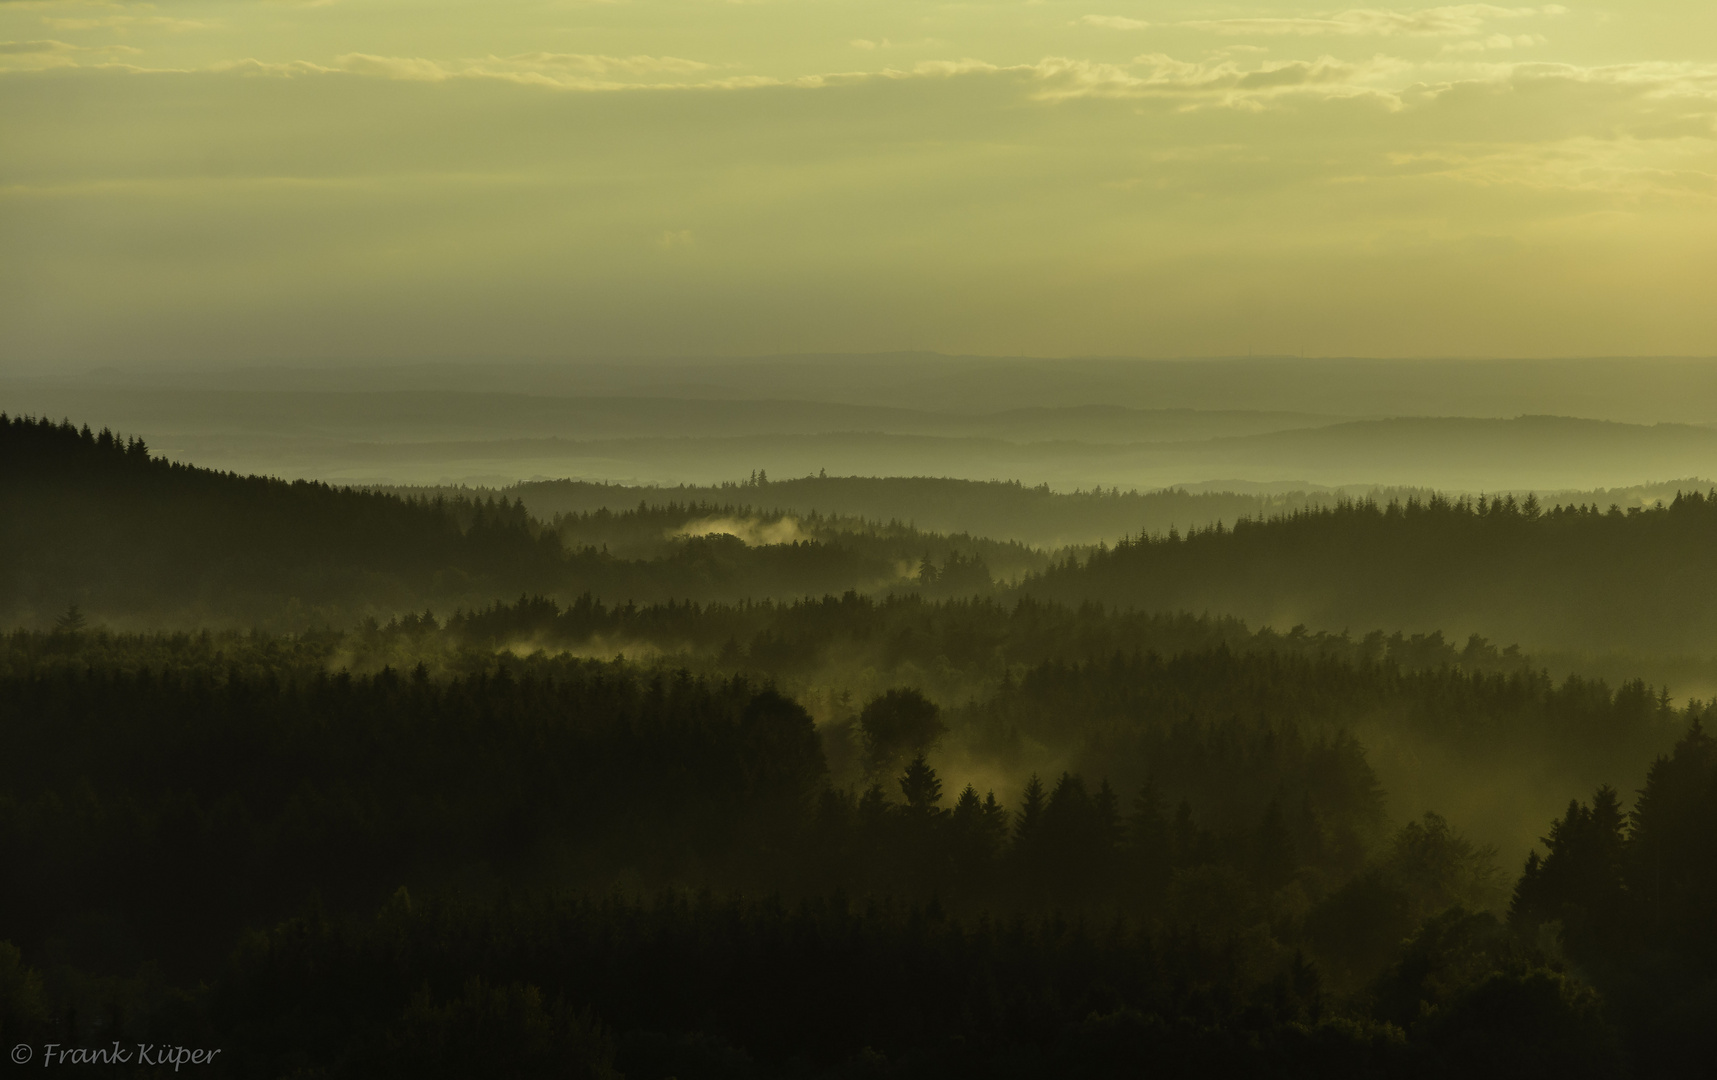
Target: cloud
[(1665, 95), (598, 65), (46, 53), (1219, 81), (35, 48), (1053, 78), (1114, 22), (573, 71), (1494, 42), (127, 23), (436, 215), (1453, 21), (412, 69), (253, 66)]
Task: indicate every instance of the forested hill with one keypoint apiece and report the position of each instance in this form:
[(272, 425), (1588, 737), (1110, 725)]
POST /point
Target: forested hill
[(1211, 862), (133, 540), (1570, 577), (96, 520), (1003, 509), (136, 541)]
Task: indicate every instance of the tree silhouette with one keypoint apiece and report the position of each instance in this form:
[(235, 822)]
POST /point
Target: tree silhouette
[(896, 726), (921, 787)]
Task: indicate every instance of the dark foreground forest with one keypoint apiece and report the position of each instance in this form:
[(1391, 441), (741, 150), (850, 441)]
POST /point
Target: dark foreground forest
[(907, 832), (574, 866)]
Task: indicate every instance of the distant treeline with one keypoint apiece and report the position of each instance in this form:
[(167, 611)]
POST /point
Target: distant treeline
[(1573, 577), (1002, 510), (133, 539), (136, 541), (896, 555), (98, 522), (162, 796), (1474, 726)]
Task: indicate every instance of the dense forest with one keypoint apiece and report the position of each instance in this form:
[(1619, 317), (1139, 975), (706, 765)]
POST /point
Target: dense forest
[(1567, 577), (350, 783), (140, 541), (137, 540), (999, 509), (548, 838), (1036, 515)]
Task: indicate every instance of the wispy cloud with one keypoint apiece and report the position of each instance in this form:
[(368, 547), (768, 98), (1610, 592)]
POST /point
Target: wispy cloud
[(1494, 42), (39, 5), (1220, 81), (1451, 21), (587, 71), (47, 52), (1114, 22), (35, 48), (124, 23), (594, 64)]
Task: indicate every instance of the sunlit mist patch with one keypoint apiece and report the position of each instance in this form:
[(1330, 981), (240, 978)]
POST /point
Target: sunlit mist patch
[(596, 647), (753, 532)]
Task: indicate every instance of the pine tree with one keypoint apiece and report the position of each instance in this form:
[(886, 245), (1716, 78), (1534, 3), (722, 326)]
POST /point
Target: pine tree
[(1031, 807), (922, 788), (1580, 881)]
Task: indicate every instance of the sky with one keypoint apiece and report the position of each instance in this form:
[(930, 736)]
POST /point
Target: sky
[(246, 182)]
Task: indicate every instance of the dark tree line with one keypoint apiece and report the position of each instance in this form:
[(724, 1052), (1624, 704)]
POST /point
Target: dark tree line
[(139, 541), (1575, 577), (1118, 709), (101, 523), (977, 638), (164, 810), (1628, 896), (1019, 681), (653, 530), (153, 815), (1004, 510), (134, 539)]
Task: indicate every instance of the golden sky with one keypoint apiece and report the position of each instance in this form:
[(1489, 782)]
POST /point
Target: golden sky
[(254, 181)]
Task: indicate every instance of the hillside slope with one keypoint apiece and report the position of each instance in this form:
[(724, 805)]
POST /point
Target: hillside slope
[(1570, 578), (137, 541)]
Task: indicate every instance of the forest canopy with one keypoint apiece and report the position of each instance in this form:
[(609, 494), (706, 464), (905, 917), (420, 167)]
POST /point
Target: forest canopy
[(697, 788)]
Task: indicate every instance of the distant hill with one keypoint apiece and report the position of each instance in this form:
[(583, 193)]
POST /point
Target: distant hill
[(99, 522), (1633, 389), (1466, 454), (1570, 578), (1141, 425), (1003, 510), (423, 436), (416, 416), (134, 540), (1451, 454)]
